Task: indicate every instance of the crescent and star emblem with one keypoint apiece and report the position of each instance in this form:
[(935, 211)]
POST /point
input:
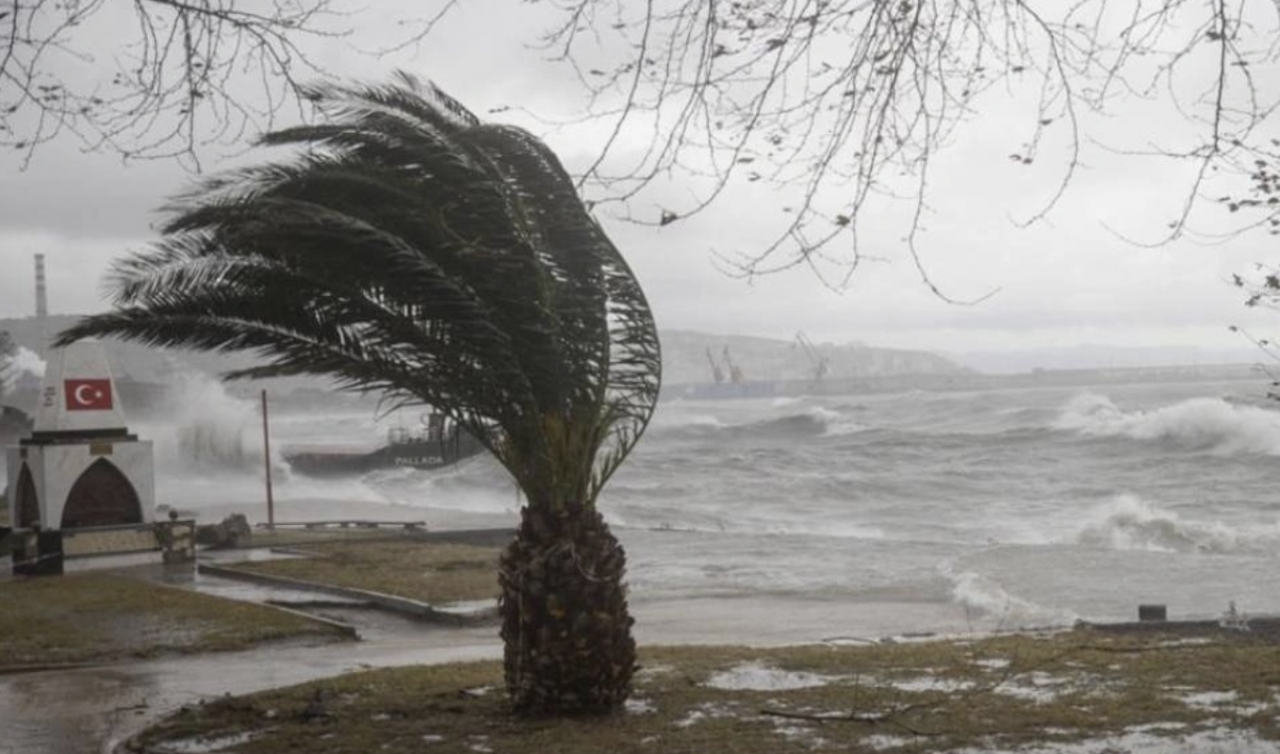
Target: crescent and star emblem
[(83, 391), (88, 394)]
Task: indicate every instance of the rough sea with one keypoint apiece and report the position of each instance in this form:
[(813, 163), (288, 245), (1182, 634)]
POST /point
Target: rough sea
[(790, 519)]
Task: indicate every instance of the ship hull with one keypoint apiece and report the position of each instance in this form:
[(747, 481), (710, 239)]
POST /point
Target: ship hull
[(424, 454)]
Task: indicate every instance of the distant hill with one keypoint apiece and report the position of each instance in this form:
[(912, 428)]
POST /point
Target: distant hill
[(684, 359), (1088, 356)]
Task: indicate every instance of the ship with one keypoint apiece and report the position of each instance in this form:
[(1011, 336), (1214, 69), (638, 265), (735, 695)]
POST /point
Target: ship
[(735, 386), (438, 445)]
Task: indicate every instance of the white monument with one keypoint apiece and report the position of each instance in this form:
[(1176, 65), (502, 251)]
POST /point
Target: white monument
[(80, 467)]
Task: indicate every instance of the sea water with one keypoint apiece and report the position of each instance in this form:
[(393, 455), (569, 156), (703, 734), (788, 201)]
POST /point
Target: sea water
[(862, 514)]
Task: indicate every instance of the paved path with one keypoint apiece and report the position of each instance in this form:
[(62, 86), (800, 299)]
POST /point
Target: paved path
[(90, 710)]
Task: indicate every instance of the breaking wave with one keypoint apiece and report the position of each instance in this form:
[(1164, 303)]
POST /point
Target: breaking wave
[(985, 598), (810, 422), (1199, 424), (1130, 523), (206, 429), (28, 362), (669, 420)]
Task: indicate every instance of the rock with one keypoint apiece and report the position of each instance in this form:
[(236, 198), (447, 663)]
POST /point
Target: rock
[(233, 531)]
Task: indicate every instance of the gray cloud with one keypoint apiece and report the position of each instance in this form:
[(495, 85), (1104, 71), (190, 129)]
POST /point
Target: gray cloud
[(1071, 279)]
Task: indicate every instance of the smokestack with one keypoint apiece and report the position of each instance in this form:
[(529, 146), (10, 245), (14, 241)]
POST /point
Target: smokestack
[(42, 296)]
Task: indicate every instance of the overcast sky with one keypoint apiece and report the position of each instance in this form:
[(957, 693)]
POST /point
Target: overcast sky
[(1068, 281)]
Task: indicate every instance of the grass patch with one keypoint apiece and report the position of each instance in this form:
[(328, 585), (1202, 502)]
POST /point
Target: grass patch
[(94, 617), (991, 694), (432, 572)]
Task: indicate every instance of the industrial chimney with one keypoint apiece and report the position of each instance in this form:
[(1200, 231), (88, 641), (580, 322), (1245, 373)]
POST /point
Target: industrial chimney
[(42, 296)]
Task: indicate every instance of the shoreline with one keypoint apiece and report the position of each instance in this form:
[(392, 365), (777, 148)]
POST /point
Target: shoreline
[(750, 626), (1052, 691)]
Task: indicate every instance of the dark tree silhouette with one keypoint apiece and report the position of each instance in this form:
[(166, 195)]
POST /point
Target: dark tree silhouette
[(416, 251)]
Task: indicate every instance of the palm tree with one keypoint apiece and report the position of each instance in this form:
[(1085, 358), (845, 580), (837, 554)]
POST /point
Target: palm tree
[(410, 249)]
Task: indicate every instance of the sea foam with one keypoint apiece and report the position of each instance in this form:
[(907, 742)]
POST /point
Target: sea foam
[(28, 361), (205, 428), (815, 420), (1130, 523), (987, 599), (1199, 424)]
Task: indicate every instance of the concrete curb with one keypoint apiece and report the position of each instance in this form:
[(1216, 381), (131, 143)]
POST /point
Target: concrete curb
[(347, 630), (43, 667), (389, 602), (490, 536)]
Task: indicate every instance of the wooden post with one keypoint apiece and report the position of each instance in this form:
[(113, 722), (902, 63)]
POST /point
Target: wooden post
[(266, 452)]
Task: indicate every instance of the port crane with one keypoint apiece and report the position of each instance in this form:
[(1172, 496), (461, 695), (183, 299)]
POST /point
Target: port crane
[(735, 372), (716, 372), (821, 365)]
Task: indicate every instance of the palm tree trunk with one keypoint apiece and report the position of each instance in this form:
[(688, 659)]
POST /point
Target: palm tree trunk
[(565, 623)]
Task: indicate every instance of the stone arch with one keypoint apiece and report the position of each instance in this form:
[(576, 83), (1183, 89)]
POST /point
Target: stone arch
[(102, 496), (27, 501)]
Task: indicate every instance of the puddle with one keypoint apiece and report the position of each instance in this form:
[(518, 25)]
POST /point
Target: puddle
[(248, 555), (705, 711), (1217, 741), (926, 683), (251, 592), (207, 745), (881, 741), (756, 677), (1208, 700), (88, 711), (469, 609)]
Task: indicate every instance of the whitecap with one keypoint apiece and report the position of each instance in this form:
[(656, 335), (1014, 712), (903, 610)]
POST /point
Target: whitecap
[(1128, 522), (26, 361), (985, 597), (1198, 424)]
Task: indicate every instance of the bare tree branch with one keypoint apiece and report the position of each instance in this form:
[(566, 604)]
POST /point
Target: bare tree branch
[(184, 74), (846, 103)]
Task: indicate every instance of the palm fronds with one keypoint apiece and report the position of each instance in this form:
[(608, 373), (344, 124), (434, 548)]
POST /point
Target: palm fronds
[(413, 250)]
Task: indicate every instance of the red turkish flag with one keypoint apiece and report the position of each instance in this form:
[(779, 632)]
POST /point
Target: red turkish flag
[(88, 395)]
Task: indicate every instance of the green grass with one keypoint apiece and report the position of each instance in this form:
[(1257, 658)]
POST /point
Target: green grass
[(912, 698), (93, 617), (432, 572)]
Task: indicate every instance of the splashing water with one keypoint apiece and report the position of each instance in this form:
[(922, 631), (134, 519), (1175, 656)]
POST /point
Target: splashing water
[(1200, 424)]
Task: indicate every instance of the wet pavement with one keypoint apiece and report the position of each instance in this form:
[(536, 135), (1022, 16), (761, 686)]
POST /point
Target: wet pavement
[(90, 710)]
